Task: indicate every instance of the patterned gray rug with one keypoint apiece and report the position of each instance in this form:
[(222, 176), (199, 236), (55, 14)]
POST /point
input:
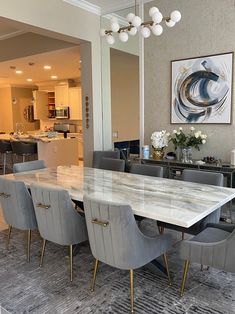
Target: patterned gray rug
[(26, 288)]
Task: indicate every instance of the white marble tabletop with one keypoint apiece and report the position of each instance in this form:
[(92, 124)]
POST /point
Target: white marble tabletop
[(176, 202)]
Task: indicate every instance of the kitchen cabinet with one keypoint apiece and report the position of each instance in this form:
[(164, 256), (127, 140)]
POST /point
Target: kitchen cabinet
[(61, 95), (40, 105), (75, 103)]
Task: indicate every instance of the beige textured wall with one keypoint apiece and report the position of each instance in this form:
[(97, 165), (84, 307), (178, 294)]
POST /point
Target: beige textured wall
[(6, 120), (207, 27), (124, 95)]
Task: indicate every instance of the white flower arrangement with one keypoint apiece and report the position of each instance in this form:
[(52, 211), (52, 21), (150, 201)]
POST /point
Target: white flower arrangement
[(160, 139)]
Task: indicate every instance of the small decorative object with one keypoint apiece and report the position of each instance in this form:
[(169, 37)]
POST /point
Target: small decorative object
[(145, 151), (159, 141), (202, 89), (171, 156)]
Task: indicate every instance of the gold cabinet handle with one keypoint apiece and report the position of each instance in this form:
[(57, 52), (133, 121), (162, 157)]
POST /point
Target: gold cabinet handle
[(101, 223), (43, 206)]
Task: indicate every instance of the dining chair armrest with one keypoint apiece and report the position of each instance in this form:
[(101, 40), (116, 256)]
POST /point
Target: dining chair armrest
[(225, 227)]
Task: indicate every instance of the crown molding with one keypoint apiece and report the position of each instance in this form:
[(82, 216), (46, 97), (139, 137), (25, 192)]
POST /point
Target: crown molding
[(85, 5), (12, 34), (121, 20)]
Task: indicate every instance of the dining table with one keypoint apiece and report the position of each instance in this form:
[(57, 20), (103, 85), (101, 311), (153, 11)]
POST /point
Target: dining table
[(172, 201)]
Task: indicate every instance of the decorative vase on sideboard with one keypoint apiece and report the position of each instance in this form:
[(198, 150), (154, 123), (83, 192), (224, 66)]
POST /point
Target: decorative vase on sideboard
[(158, 154)]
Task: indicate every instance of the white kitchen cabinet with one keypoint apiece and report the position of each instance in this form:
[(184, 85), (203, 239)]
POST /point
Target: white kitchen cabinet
[(75, 103), (40, 105), (61, 95)]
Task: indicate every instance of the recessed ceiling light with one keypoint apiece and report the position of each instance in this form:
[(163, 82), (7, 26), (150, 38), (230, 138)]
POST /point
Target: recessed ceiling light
[(19, 72), (47, 67), (54, 77), (29, 80)]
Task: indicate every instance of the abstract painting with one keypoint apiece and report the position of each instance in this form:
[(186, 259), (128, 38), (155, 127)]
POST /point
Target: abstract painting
[(202, 89)]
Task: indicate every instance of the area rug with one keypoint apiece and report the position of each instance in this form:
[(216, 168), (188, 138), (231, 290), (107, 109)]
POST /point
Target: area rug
[(26, 288)]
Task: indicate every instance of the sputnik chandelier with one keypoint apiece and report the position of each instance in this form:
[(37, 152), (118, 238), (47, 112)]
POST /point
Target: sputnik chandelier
[(135, 24)]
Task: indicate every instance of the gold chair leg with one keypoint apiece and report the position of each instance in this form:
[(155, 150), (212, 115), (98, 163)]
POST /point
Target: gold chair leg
[(8, 237), (28, 245), (42, 252), (159, 229), (71, 261), (167, 268), (94, 275), (132, 289), (182, 236), (186, 267)]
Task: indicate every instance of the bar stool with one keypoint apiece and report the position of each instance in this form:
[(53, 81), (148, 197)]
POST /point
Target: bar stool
[(24, 149), (5, 150)]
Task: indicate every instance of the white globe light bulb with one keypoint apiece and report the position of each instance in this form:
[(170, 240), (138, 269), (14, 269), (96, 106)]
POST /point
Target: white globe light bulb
[(145, 31), (157, 17), (110, 39), (133, 31), (157, 29), (130, 17), (175, 16), (123, 36), (136, 21), (115, 27), (170, 23), (152, 11), (114, 20)]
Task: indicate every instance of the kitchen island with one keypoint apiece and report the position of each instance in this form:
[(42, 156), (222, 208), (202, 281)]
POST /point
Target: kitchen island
[(54, 151)]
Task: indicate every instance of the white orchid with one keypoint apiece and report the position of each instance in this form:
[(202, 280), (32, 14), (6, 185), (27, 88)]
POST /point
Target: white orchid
[(203, 141), (180, 128), (192, 128), (174, 131), (196, 135)]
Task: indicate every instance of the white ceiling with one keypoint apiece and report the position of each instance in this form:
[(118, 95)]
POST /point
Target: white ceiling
[(65, 64)]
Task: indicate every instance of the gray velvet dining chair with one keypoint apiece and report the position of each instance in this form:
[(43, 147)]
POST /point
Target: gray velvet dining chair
[(112, 164), (29, 165), (116, 240), (203, 177), (18, 210), (98, 155), (58, 220), (214, 246), (147, 170)]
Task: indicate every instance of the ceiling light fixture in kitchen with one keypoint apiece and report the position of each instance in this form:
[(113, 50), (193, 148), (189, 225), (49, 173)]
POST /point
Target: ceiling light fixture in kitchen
[(136, 24), (29, 80), (47, 67), (54, 77), (19, 72)]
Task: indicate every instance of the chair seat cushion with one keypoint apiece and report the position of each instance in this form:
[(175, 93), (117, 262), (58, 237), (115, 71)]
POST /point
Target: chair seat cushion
[(210, 235)]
